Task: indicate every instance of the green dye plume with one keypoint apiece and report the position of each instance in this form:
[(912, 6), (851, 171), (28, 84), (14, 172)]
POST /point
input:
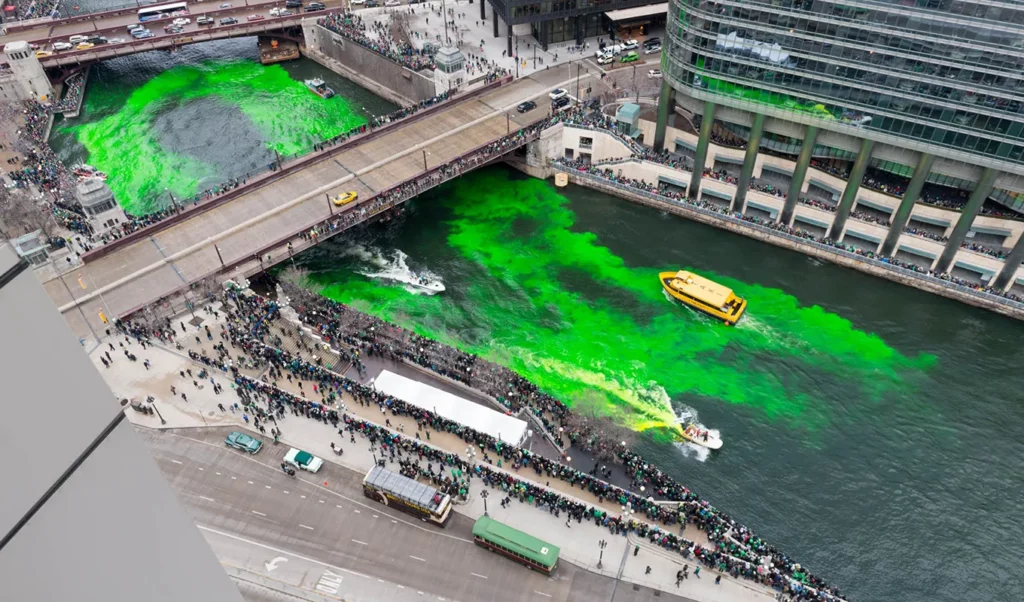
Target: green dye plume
[(567, 313), (122, 143)]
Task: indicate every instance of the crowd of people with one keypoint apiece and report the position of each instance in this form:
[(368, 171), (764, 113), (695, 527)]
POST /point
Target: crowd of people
[(721, 175), (74, 88), (926, 234), (817, 204), (843, 173), (871, 218), (980, 248), (734, 549), (351, 26), (768, 188)]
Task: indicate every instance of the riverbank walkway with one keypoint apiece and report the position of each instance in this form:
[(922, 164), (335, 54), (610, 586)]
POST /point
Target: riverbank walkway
[(235, 233), (579, 542)]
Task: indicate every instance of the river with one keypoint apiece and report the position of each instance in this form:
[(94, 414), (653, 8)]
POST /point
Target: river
[(164, 124), (871, 430)]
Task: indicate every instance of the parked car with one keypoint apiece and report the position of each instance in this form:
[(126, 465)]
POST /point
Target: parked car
[(357, 2), (85, 45), (613, 49), (652, 42), (604, 59), (392, 3), (629, 57), (145, 34), (225, 5), (526, 106), (182, 21), (135, 26), (254, 18), (228, 21), (652, 49), (557, 93), (59, 46), (293, 4), (315, 6), (173, 29), (631, 45), (243, 442), (115, 41), (205, 21), (654, 73), (77, 39), (303, 460), (561, 102), (372, 4), (43, 53)]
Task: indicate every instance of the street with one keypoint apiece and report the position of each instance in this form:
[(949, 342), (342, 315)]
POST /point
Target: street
[(318, 537)]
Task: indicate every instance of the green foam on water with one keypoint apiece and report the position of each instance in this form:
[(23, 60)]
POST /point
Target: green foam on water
[(567, 313), (121, 141)]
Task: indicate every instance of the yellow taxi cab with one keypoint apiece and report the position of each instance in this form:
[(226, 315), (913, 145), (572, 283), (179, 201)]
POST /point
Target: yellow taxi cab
[(343, 199), (85, 45), (43, 53)]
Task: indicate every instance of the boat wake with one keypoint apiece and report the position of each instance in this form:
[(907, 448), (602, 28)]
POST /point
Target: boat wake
[(396, 269)]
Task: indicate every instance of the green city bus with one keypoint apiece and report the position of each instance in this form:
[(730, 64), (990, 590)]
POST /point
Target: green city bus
[(521, 547)]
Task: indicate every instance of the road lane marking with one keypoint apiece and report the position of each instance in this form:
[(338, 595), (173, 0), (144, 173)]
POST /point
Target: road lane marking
[(479, 575), (375, 516), (394, 521), (267, 486), (234, 478), (362, 543), (176, 461), (417, 558), (358, 512), (380, 581), (201, 468), (218, 474), (250, 482), (401, 587), (303, 497), (542, 593), (321, 501), (257, 513), (209, 499), (305, 527), (337, 505), (286, 492), (279, 551)]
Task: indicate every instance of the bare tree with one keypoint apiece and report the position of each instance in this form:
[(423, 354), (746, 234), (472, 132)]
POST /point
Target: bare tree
[(22, 214), (298, 284)]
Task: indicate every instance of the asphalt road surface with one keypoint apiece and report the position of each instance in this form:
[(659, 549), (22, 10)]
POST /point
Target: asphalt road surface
[(281, 537)]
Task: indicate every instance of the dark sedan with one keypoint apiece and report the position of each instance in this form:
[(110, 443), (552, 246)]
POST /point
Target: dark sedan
[(526, 106)]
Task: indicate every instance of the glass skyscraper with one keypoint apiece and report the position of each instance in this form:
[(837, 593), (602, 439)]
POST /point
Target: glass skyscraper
[(926, 94)]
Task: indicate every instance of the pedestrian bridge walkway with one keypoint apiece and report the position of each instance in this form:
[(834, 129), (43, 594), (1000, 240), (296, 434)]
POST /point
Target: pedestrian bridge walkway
[(224, 239)]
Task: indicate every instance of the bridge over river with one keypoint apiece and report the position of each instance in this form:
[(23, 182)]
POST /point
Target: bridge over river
[(225, 237)]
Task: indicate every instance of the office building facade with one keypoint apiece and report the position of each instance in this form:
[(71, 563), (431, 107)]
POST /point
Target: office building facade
[(920, 99), (556, 21)]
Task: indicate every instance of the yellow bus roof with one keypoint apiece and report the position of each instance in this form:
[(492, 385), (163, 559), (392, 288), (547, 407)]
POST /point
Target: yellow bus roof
[(699, 287)]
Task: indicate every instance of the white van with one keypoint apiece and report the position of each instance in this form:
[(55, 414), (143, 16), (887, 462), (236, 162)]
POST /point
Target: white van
[(77, 39)]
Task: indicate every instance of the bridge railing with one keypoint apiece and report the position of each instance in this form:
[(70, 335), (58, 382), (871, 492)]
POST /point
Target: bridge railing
[(263, 177), (835, 251), (113, 11)]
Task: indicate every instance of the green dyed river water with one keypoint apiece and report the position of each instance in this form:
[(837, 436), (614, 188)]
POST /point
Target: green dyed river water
[(163, 124), (871, 431)]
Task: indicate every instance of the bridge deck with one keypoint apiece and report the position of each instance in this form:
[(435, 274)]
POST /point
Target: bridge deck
[(138, 273)]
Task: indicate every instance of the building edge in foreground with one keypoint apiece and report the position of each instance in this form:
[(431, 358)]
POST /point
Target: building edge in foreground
[(89, 516)]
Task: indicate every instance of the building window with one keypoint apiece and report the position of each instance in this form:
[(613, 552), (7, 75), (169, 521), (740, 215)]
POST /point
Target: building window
[(586, 143)]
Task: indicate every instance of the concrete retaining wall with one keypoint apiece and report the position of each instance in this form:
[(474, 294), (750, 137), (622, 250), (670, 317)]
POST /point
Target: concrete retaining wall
[(380, 75)]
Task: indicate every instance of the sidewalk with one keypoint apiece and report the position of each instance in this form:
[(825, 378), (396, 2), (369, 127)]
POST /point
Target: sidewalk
[(579, 542)]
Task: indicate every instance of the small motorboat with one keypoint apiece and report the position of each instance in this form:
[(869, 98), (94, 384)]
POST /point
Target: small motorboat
[(85, 172), (319, 87), (700, 435)]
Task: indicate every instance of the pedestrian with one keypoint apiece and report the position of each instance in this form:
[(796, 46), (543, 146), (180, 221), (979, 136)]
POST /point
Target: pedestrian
[(245, 417), (636, 550), (648, 571), (718, 580), (221, 406), (184, 397), (146, 364), (696, 572)]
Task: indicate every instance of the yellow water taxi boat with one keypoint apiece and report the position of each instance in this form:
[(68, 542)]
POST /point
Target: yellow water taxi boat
[(700, 435), (704, 295)]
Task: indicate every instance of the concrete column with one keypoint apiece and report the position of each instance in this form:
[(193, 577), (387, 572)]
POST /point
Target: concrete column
[(494, 14), (899, 221), (852, 187), (984, 188), (483, 10), (579, 30), (665, 103), (508, 27), (1004, 280), (810, 137), (707, 122), (739, 202)]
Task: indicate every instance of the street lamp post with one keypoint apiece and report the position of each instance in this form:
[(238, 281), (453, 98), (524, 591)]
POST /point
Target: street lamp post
[(152, 402), (601, 544), (424, 159), (484, 495)]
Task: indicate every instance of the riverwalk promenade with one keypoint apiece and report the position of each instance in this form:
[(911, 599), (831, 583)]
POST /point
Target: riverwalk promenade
[(158, 368)]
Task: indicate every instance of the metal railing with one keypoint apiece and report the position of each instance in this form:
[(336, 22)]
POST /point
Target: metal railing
[(835, 251)]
